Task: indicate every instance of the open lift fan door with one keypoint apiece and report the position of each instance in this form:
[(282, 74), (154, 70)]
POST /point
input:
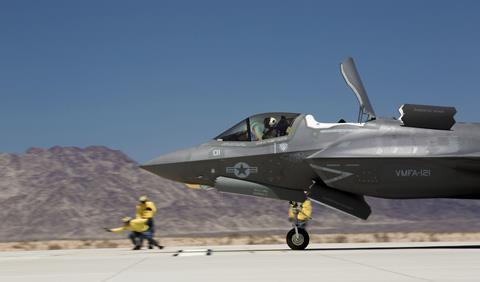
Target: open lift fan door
[(424, 116)]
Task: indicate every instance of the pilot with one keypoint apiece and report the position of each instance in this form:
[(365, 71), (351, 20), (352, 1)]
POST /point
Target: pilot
[(146, 209), (269, 130), (138, 231), (282, 126), (305, 212)]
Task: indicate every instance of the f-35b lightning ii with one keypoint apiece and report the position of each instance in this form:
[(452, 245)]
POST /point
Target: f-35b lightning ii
[(292, 157)]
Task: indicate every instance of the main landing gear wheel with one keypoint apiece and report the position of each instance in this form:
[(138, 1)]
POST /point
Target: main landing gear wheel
[(298, 241)]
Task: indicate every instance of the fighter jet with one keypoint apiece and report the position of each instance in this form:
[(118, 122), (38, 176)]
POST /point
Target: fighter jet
[(293, 157)]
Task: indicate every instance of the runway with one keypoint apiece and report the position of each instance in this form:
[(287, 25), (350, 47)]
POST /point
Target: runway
[(321, 262)]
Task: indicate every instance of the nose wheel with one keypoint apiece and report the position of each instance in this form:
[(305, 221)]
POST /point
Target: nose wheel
[(298, 239)]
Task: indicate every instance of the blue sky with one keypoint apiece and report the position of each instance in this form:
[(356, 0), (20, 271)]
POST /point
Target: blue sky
[(148, 77)]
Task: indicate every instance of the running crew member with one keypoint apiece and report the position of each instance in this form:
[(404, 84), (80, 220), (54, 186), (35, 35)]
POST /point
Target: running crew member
[(139, 230)]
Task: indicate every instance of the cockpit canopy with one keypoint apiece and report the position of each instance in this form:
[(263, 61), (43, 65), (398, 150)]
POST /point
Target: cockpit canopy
[(260, 127)]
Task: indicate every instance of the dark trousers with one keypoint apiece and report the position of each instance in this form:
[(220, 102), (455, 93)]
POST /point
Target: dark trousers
[(137, 238), (150, 233), (149, 236), (151, 225)]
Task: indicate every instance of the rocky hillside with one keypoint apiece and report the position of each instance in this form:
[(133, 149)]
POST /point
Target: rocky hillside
[(72, 193)]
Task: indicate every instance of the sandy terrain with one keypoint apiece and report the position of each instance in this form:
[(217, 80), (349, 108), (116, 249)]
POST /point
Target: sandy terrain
[(245, 240)]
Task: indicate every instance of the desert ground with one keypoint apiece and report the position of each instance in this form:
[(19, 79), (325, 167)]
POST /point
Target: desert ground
[(239, 239)]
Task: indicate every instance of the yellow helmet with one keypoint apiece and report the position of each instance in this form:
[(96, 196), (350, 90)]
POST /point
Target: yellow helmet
[(126, 219), (143, 199)]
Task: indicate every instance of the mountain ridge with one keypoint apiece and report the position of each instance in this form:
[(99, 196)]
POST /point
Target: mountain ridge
[(72, 193)]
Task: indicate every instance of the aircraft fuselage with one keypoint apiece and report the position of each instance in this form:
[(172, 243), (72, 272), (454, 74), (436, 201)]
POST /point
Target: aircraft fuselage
[(379, 158)]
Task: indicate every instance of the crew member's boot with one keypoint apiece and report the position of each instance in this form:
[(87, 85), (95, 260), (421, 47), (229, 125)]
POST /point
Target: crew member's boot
[(152, 242)]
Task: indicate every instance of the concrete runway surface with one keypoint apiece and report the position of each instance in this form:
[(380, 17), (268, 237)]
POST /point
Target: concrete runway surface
[(321, 262)]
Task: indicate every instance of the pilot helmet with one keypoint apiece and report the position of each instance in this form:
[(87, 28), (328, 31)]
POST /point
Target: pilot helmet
[(272, 122)]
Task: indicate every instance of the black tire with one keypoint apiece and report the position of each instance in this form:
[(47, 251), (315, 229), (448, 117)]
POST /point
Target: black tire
[(300, 242)]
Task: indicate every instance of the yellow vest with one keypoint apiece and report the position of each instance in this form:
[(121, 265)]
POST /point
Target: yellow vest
[(136, 225), (306, 211), (146, 210)]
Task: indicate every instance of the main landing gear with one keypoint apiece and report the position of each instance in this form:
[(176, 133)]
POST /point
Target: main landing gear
[(297, 238)]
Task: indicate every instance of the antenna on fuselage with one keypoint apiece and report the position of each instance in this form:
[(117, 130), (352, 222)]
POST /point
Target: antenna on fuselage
[(352, 78)]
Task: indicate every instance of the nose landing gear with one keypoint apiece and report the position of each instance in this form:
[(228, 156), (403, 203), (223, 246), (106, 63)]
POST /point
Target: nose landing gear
[(297, 238)]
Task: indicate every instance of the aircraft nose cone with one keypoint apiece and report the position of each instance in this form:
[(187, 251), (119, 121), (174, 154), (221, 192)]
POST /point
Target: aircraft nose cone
[(171, 166), (171, 158)]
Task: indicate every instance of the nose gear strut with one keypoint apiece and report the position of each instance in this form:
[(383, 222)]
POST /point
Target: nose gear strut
[(298, 238)]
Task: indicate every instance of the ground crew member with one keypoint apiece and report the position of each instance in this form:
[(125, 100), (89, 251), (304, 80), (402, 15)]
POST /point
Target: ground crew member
[(146, 209), (138, 230), (304, 214)]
